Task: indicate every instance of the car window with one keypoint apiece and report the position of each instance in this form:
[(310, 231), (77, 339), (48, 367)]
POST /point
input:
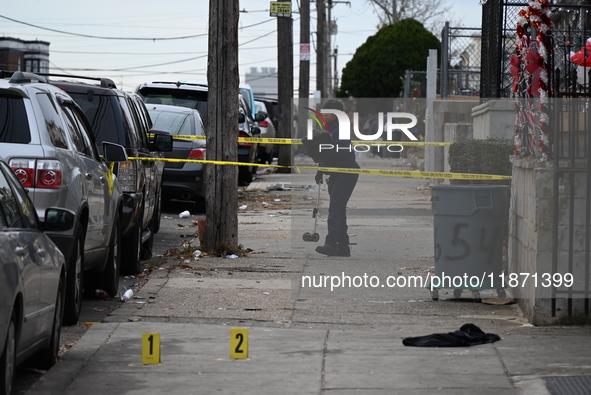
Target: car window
[(171, 122), (142, 125), (28, 217), (100, 113), (12, 215), (74, 132), (177, 97), (14, 125), (85, 142), (130, 125), (53, 123)]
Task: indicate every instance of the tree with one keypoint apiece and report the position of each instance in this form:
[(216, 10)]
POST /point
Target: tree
[(432, 13), (378, 65), (221, 231)]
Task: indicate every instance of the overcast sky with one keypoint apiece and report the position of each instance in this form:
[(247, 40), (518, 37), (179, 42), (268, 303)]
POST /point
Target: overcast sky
[(130, 61)]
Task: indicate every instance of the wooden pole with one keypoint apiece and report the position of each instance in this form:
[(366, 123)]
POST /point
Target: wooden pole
[(221, 230), (285, 87)]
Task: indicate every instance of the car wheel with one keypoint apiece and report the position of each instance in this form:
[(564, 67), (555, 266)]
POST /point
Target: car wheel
[(108, 280), (146, 250), (245, 175), (131, 250), (47, 357), (75, 281), (8, 358)]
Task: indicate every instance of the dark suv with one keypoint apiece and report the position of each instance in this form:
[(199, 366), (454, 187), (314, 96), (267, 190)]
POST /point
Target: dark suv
[(48, 143), (122, 118)]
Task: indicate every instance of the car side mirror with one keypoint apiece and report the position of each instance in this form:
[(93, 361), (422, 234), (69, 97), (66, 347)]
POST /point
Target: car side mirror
[(162, 142), (114, 152), (255, 130), (260, 116), (58, 220), (241, 118)]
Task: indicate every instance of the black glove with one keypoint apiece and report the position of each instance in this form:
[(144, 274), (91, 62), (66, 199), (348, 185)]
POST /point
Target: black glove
[(318, 177)]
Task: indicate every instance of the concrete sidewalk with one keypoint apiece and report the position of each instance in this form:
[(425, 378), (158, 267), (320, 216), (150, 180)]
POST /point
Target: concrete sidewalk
[(310, 339)]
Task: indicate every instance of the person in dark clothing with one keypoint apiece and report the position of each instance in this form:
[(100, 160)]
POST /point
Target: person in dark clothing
[(340, 186)]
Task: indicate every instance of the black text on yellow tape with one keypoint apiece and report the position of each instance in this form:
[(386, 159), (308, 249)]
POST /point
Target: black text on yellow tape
[(395, 173)]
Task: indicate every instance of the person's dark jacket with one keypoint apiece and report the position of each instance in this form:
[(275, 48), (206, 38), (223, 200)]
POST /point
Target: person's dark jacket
[(344, 157)]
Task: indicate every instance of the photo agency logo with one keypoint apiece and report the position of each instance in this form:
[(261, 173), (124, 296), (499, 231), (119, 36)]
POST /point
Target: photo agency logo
[(386, 123)]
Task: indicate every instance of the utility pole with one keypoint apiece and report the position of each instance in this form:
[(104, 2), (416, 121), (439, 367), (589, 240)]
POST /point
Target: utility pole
[(320, 47), (328, 50), (304, 89), (394, 12), (285, 86), (221, 230)]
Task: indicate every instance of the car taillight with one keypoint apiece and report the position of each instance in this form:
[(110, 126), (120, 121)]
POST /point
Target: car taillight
[(127, 176), (38, 173), (24, 170), (49, 174), (198, 153), (263, 124), (243, 134)]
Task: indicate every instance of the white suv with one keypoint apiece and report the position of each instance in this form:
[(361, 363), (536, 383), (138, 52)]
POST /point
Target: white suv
[(47, 141)]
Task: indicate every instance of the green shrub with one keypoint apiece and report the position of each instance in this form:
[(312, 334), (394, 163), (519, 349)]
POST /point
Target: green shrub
[(490, 156)]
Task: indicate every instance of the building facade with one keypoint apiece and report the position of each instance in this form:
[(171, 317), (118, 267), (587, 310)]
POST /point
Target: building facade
[(23, 55)]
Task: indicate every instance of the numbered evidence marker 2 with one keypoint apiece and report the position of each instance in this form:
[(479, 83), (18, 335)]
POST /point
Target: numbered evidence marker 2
[(238, 343), (150, 348)]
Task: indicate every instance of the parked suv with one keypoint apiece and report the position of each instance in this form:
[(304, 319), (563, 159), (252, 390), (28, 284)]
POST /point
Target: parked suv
[(120, 117), (193, 94), (47, 141)]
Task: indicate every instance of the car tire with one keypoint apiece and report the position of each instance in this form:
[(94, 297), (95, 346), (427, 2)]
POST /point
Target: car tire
[(245, 175), (8, 357), (131, 251), (75, 281), (108, 279), (146, 250), (47, 357)]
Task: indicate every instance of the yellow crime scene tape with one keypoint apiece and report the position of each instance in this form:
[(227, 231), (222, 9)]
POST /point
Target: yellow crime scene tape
[(395, 173), (298, 142)]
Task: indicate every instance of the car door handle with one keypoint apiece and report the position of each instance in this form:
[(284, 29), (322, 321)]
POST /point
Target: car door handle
[(20, 251), (88, 176)]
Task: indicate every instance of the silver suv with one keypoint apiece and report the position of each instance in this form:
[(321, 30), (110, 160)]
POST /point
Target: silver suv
[(47, 141)]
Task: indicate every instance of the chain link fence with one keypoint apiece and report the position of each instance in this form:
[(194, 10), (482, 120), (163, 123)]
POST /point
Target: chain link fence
[(460, 61)]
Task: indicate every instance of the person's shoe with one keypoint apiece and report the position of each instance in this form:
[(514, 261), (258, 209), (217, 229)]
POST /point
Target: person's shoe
[(331, 250)]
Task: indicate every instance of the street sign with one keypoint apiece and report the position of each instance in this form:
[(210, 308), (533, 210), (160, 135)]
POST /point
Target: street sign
[(281, 9), (238, 343), (304, 51), (150, 348)]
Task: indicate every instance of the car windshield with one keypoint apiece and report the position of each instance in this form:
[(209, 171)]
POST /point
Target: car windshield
[(172, 122), (177, 97)]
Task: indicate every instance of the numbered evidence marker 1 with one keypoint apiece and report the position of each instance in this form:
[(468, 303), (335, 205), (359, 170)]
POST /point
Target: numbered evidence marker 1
[(150, 348), (238, 343)]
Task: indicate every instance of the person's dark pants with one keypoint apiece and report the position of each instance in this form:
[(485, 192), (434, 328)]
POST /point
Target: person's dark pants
[(340, 188)]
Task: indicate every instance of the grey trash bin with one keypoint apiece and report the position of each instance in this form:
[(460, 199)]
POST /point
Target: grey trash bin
[(469, 231)]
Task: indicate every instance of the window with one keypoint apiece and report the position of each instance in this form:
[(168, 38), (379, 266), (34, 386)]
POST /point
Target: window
[(29, 217), (72, 130), (14, 124), (85, 132), (53, 122), (9, 207), (130, 124), (99, 111)]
